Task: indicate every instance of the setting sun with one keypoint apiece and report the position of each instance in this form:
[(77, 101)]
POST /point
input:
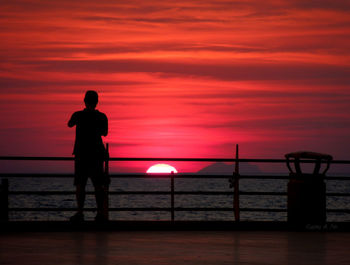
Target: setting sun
[(161, 168)]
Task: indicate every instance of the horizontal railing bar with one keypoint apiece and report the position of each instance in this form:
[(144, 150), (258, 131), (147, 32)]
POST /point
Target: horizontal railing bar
[(263, 193), (224, 193), (262, 210), (122, 193), (252, 160), (175, 159), (25, 209), (338, 194), (121, 209), (177, 209), (36, 158), (35, 175), (230, 209), (177, 176), (135, 175), (136, 209), (141, 175), (244, 160), (337, 178), (147, 193), (88, 193), (338, 210), (144, 175)]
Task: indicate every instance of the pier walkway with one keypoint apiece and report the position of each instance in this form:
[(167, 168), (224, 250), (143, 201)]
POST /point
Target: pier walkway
[(174, 247), (173, 241)]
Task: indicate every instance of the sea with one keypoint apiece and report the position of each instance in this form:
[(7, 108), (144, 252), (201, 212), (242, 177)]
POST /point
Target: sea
[(163, 184)]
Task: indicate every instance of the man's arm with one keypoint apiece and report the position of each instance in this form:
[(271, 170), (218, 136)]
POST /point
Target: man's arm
[(73, 120), (104, 130)]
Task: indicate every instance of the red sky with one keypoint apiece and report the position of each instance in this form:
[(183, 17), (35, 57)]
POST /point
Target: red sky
[(178, 78)]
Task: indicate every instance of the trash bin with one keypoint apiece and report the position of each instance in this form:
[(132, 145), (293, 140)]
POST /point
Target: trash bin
[(307, 191)]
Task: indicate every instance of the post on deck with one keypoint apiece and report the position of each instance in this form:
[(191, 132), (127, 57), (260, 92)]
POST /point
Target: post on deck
[(4, 200), (106, 187), (236, 188), (172, 196)]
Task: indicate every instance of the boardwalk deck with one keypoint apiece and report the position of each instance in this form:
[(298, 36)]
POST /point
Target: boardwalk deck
[(175, 247)]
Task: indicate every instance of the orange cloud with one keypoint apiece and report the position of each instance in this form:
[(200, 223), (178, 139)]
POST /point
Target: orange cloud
[(182, 78)]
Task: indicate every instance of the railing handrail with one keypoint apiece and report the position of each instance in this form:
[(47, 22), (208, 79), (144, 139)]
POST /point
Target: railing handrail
[(244, 160), (158, 175), (172, 191)]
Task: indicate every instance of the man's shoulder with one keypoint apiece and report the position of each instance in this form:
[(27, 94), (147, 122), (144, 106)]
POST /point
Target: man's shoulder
[(88, 114), (101, 114)]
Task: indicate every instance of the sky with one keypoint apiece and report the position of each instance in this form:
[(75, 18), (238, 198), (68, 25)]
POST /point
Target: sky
[(178, 78)]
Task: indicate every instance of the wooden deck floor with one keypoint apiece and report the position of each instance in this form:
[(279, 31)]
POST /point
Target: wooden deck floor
[(175, 247)]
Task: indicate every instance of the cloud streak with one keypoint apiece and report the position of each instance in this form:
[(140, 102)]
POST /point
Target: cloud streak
[(220, 70)]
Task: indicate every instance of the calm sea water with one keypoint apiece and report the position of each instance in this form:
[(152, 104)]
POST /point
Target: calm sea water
[(159, 184)]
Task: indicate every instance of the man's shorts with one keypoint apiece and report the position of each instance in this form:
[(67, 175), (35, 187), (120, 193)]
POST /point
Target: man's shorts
[(90, 168)]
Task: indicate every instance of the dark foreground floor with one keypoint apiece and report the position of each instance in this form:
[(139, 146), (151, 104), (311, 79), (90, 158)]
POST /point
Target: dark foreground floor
[(175, 247)]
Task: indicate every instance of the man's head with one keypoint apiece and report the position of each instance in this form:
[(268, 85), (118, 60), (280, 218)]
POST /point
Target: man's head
[(91, 99)]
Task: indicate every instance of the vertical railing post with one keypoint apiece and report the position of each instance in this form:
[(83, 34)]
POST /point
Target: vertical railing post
[(106, 187), (4, 200), (107, 159), (236, 187), (172, 196)]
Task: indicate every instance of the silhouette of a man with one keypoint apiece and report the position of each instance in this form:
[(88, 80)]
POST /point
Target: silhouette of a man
[(90, 153)]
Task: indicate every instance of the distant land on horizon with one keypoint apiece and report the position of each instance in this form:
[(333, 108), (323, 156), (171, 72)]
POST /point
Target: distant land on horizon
[(251, 169), (227, 169)]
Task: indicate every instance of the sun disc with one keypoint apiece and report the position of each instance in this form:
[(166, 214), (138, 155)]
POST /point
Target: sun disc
[(161, 168)]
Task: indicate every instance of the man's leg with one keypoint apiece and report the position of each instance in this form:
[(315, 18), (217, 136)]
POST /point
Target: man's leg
[(80, 196), (106, 202), (80, 180), (99, 198), (101, 194)]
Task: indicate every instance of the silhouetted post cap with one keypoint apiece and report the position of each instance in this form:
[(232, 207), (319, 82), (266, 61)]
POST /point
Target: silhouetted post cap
[(318, 157)]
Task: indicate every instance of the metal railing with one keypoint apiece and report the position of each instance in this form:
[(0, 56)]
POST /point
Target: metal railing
[(5, 192)]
